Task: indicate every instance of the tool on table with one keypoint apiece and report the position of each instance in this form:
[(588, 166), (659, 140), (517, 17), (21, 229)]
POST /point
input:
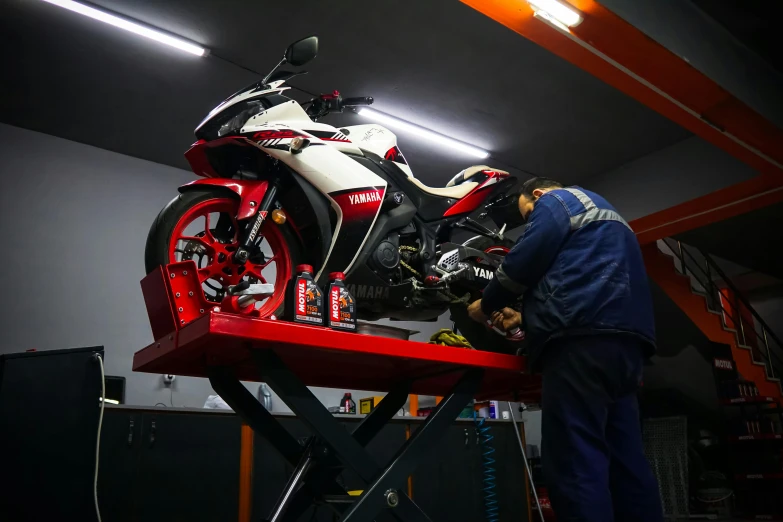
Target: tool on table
[(446, 337), (347, 404), (241, 298)]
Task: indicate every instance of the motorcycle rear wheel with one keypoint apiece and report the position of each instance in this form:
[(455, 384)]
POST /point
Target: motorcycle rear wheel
[(201, 226)]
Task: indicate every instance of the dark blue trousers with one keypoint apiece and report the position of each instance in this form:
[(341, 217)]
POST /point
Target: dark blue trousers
[(592, 455)]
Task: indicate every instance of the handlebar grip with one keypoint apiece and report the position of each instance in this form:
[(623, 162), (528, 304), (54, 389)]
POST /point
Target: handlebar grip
[(359, 100)]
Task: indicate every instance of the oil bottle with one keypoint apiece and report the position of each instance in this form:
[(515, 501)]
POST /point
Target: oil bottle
[(340, 305), (304, 300)]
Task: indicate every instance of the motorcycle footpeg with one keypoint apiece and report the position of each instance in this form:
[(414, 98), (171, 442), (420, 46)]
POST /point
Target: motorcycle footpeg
[(257, 290)]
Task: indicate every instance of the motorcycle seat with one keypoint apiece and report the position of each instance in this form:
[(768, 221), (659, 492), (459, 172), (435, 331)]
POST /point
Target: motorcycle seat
[(454, 192), (465, 175), (459, 186)]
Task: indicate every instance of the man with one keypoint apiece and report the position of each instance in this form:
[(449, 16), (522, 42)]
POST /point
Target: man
[(587, 315)]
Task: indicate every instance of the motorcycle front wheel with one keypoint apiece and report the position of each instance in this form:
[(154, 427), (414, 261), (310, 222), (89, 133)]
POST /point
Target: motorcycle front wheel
[(201, 226)]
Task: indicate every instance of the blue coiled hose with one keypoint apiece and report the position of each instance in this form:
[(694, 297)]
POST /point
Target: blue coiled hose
[(488, 472)]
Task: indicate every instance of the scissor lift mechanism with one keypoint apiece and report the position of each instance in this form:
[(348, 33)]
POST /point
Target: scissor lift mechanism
[(195, 338)]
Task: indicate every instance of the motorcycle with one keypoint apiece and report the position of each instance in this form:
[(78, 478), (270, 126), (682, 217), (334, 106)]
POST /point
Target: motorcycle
[(279, 189)]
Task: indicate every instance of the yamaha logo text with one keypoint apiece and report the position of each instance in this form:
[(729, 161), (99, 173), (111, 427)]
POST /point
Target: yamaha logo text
[(369, 292), (365, 197), (483, 273)]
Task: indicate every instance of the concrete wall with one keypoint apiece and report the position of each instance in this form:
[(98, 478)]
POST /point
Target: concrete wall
[(668, 177), (74, 221)]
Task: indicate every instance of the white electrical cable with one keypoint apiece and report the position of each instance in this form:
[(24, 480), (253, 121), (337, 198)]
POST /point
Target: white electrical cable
[(98, 438)]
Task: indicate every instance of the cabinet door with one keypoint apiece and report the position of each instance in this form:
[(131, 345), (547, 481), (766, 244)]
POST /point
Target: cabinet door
[(447, 484), (188, 468), (509, 474), (120, 441)]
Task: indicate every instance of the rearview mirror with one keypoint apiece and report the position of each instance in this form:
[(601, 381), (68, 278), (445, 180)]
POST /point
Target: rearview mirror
[(301, 52)]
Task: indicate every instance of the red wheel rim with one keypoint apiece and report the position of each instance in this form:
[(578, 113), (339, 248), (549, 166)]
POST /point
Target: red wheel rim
[(196, 236), (497, 250)]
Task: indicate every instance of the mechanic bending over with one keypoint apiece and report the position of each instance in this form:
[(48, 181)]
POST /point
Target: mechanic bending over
[(587, 315)]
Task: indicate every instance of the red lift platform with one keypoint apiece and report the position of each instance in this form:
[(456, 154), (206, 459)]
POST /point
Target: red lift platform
[(195, 338)]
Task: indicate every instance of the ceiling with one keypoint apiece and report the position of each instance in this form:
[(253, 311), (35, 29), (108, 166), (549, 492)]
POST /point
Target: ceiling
[(752, 22), (752, 240), (437, 63)]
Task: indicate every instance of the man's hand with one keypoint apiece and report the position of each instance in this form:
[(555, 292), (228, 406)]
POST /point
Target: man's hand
[(475, 313), (506, 319)]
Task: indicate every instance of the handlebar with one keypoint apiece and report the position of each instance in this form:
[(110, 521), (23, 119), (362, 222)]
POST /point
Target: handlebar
[(326, 103), (359, 100)]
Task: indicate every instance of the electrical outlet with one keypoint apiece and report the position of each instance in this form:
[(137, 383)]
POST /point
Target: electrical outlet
[(168, 379)]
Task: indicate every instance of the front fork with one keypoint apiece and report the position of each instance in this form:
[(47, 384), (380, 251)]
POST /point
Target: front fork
[(249, 234)]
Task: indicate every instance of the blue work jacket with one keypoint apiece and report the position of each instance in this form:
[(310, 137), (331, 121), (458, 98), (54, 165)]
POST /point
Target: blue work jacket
[(579, 269)]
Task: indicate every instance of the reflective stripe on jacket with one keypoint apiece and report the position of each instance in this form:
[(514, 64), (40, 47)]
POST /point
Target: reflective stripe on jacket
[(580, 269)]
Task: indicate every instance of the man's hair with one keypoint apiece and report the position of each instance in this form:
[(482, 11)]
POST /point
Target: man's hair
[(532, 184)]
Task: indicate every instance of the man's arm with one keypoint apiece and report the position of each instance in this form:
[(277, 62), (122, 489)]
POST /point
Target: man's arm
[(531, 257)]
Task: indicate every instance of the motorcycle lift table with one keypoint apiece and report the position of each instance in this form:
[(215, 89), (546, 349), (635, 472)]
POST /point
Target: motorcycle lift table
[(195, 338)]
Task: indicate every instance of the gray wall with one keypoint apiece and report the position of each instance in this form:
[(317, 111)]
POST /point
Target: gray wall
[(75, 219), (668, 177), (74, 223), (681, 27)]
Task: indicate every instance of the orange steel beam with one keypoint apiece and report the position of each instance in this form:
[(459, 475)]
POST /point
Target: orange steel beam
[(410, 477), (246, 474), (731, 201), (622, 56)]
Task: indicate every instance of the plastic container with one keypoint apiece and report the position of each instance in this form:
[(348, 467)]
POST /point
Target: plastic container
[(340, 305), (304, 299), (347, 404)]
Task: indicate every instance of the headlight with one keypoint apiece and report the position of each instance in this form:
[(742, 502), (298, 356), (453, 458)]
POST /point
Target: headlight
[(235, 123)]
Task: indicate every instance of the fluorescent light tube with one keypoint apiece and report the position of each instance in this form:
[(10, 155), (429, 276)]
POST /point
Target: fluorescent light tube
[(421, 132), (133, 27), (558, 11)]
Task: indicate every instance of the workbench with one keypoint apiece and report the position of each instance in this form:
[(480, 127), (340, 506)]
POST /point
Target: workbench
[(196, 338)]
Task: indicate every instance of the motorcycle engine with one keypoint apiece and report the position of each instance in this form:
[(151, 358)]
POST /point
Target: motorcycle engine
[(386, 256)]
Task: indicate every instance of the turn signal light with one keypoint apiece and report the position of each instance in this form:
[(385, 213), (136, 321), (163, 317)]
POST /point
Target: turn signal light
[(278, 216), (298, 144)]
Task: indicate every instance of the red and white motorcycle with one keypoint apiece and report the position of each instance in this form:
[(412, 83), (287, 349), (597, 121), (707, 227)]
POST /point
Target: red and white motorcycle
[(280, 189)]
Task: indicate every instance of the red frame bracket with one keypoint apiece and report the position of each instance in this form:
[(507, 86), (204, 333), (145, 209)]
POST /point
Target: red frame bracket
[(174, 297)]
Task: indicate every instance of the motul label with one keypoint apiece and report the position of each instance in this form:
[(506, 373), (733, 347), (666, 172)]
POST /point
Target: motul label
[(723, 364), (334, 304), (301, 297), (365, 197)]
